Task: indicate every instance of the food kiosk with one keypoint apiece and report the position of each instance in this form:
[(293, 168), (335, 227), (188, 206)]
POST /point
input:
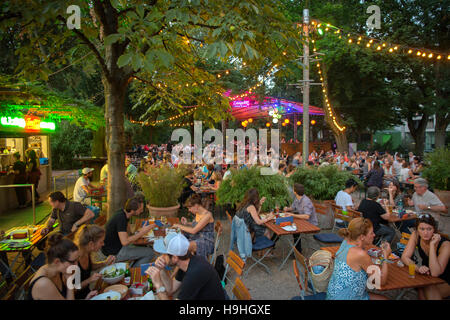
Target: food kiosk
[(19, 134)]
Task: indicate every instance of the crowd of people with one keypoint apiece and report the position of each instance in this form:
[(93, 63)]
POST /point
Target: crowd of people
[(190, 249)]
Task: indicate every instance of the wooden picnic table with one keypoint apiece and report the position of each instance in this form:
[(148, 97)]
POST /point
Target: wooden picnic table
[(303, 227), (36, 238), (398, 277)]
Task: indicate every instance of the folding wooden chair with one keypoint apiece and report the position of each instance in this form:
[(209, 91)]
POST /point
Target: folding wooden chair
[(341, 220), (229, 216), (236, 263), (218, 228), (11, 295), (240, 291), (101, 220)]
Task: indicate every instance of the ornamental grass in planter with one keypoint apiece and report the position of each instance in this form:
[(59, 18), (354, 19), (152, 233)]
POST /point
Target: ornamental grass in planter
[(162, 188), (273, 187)]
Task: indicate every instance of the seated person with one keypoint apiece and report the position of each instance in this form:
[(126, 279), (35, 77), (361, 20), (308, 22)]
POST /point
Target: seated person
[(416, 166), (303, 208), (425, 201), (343, 198), (249, 210), (83, 187), (395, 200), (202, 229), (435, 254), (375, 176), (49, 282), (350, 273), (119, 242), (373, 211), (90, 239), (215, 181), (196, 278), (405, 172), (187, 190), (71, 215)]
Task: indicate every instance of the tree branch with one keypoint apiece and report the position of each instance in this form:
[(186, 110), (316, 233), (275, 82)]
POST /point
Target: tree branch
[(91, 46)]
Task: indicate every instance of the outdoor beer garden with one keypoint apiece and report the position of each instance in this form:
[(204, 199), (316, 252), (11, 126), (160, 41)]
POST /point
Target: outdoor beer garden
[(224, 150)]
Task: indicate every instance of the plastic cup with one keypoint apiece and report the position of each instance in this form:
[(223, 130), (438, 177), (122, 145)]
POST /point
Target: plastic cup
[(412, 270)]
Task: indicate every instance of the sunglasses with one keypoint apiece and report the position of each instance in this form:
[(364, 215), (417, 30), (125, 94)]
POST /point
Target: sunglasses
[(70, 261), (424, 216)]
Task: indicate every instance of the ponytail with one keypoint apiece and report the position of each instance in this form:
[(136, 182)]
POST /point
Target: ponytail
[(87, 234), (59, 247)]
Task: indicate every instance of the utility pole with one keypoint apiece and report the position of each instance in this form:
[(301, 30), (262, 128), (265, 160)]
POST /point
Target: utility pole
[(305, 86)]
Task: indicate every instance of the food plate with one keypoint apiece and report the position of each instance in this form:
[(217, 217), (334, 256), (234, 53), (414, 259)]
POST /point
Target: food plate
[(110, 295), (18, 244), (114, 273), (290, 228), (120, 288)]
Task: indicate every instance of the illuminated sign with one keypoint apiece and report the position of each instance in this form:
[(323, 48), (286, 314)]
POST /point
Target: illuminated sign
[(15, 122), (30, 123), (240, 104)]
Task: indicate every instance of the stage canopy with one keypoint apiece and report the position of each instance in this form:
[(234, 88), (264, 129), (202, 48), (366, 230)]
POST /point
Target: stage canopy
[(251, 107)]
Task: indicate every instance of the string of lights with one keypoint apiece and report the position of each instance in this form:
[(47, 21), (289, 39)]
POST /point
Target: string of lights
[(146, 123), (377, 44)]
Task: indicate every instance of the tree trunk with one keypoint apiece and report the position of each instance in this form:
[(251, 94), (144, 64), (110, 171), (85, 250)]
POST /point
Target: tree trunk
[(440, 131), (115, 90), (341, 141), (418, 133), (99, 143)]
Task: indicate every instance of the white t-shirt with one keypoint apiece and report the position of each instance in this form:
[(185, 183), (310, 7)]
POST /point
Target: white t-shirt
[(404, 174), (78, 192), (343, 199), (226, 174)]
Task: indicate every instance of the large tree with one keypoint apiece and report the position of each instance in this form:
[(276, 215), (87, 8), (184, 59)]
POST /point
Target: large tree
[(163, 43)]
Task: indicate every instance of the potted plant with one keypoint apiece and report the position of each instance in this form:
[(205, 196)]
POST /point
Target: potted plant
[(437, 172), (273, 187), (322, 184), (162, 188)]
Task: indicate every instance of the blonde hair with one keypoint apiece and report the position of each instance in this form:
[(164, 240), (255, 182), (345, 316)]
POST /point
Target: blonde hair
[(87, 234), (357, 227)]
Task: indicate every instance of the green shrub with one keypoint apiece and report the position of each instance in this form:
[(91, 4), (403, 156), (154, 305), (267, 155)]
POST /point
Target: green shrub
[(437, 170), (273, 187), (322, 183), (163, 186)]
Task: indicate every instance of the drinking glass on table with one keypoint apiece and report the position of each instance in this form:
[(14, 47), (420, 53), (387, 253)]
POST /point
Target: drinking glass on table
[(412, 270)]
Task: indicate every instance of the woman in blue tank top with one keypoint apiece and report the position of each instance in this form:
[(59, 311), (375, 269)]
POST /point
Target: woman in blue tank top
[(349, 278)]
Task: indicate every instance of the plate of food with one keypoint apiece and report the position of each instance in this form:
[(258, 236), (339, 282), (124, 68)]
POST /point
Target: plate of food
[(18, 244), (114, 273), (120, 288), (110, 295)]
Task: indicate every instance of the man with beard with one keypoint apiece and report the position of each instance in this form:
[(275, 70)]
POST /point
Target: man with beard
[(196, 278), (83, 186)]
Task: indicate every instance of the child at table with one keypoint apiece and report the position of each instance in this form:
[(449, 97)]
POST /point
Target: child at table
[(349, 278), (435, 254)]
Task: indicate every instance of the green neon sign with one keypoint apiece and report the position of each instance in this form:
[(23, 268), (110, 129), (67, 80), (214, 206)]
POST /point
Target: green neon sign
[(29, 123)]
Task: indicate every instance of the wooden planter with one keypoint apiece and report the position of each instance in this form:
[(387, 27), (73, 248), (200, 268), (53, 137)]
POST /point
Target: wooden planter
[(168, 212)]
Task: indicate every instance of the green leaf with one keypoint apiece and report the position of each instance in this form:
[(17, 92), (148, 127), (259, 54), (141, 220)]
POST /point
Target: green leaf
[(140, 11), (112, 38), (136, 62), (124, 59), (223, 49)]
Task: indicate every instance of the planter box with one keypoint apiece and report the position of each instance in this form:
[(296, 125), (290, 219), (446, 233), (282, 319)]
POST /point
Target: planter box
[(168, 212)]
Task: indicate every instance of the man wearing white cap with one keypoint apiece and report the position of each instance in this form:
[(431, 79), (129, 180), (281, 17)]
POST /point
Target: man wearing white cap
[(82, 187), (196, 278)]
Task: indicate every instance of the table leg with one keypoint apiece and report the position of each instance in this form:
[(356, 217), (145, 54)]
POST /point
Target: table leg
[(290, 251), (7, 268)]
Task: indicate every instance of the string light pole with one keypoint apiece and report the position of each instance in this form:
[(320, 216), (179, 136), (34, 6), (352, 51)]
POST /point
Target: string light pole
[(305, 87)]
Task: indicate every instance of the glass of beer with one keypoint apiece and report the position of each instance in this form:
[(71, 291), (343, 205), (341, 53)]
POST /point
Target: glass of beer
[(412, 270)]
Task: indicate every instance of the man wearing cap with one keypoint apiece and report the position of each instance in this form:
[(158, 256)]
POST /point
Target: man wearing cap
[(196, 278), (83, 186)]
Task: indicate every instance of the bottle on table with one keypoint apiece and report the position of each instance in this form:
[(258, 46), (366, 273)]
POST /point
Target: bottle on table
[(127, 278), (150, 284)]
